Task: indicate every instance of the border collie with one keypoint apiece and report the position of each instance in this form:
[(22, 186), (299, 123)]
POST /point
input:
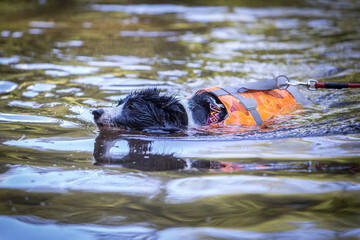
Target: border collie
[(148, 110)]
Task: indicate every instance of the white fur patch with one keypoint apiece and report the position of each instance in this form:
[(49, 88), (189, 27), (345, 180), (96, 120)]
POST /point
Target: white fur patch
[(191, 123), (110, 113)]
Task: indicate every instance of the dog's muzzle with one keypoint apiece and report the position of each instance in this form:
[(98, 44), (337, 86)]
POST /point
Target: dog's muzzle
[(98, 113)]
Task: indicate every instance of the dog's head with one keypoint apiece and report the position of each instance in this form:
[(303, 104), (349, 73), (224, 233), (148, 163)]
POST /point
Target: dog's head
[(144, 110)]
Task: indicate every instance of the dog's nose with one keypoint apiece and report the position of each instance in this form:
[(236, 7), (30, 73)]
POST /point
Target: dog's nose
[(97, 113)]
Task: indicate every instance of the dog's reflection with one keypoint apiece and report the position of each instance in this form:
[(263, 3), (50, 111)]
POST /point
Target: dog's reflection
[(142, 155), (161, 155)]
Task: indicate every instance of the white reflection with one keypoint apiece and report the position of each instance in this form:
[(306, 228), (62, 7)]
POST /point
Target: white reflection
[(77, 70), (194, 188), (6, 86), (41, 87), (44, 180), (42, 24), (55, 144), (110, 82)]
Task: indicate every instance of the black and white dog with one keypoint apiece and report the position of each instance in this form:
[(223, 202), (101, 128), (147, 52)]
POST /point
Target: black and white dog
[(148, 110), (249, 105)]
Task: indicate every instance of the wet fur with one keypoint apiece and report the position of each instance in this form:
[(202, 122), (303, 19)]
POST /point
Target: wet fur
[(145, 110)]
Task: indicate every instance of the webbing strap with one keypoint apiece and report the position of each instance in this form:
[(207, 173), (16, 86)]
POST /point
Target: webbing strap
[(299, 97), (280, 82), (248, 103), (276, 83)]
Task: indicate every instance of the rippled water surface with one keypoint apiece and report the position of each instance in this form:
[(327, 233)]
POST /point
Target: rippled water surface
[(61, 178)]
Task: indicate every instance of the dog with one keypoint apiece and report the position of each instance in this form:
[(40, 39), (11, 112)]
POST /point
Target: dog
[(150, 111)]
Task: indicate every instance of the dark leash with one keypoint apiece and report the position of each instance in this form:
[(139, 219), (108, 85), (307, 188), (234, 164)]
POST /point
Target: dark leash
[(284, 82), (337, 85)]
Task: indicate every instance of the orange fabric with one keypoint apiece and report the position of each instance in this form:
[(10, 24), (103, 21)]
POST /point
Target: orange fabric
[(270, 103)]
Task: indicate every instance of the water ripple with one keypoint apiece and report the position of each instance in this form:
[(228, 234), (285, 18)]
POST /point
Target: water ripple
[(77, 70), (192, 189), (6, 86), (36, 179)]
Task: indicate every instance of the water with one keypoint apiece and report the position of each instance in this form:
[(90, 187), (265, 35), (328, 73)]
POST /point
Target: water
[(59, 177)]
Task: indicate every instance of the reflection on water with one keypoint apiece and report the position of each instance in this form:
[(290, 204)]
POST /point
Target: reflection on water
[(79, 70), (138, 155), (6, 86), (59, 177), (165, 154), (39, 230)]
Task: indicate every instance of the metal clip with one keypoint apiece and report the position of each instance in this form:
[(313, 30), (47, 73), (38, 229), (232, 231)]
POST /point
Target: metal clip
[(311, 84), (284, 82)]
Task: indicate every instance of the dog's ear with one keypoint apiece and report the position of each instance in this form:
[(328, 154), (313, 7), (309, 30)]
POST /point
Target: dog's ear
[(172, 107), (165, 101), (176, 114)]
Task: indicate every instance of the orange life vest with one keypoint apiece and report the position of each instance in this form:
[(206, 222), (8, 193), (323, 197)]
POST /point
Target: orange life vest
[(265, 104)]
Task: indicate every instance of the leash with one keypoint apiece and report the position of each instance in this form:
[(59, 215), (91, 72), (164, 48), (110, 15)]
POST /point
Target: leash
[(283, 82)]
